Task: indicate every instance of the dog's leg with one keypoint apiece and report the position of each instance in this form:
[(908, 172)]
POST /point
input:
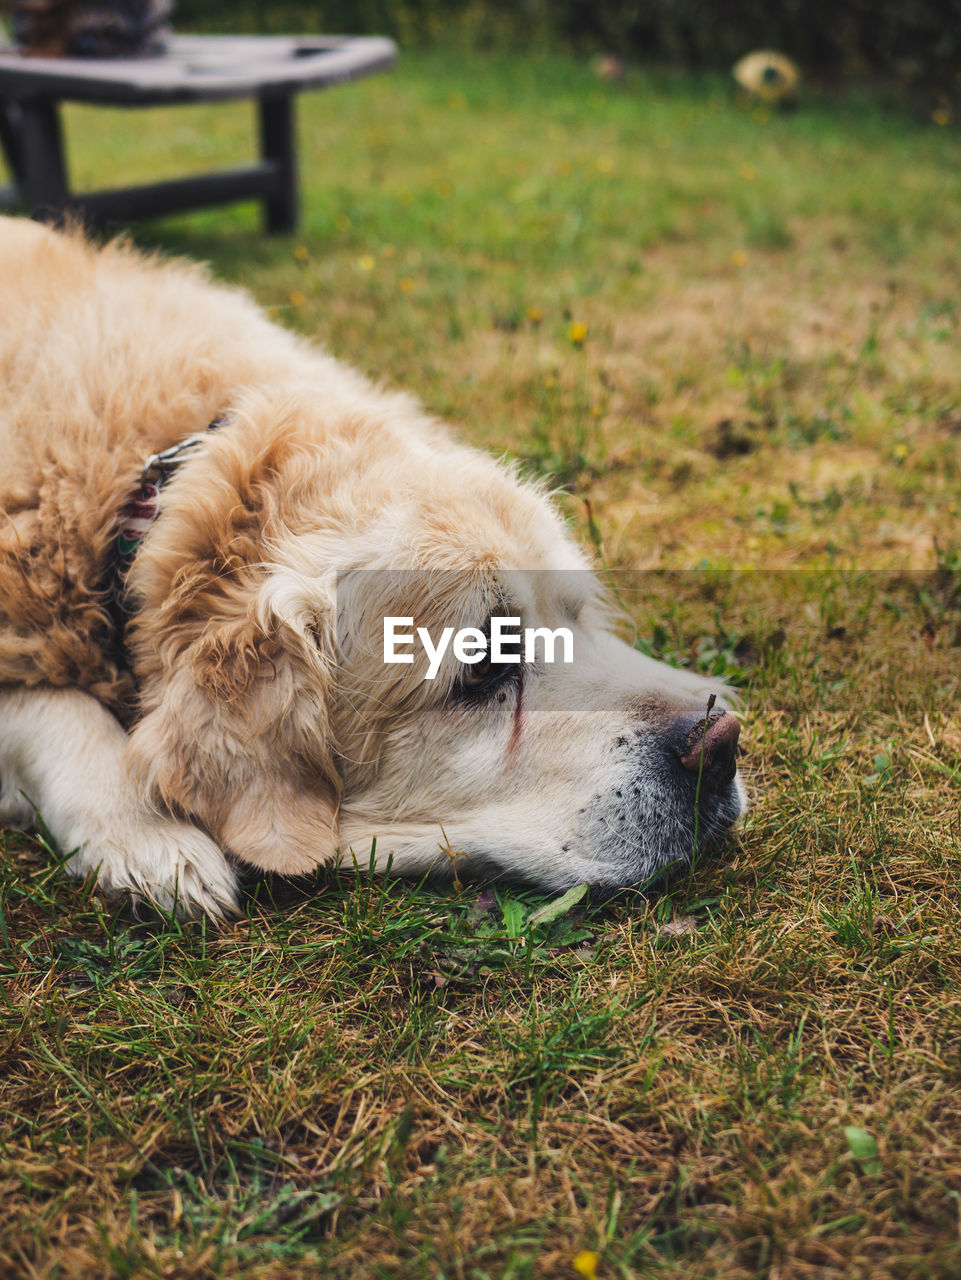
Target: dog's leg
[(62, 756)]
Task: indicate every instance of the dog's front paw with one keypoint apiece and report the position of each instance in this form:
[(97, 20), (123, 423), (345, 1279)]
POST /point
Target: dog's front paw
[(162, 860)]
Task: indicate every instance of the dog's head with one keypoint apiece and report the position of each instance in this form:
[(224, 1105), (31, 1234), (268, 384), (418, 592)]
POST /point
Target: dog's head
[(297, 590)]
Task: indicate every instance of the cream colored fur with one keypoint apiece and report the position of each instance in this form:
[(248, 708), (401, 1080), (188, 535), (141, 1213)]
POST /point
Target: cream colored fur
[(251, 720)]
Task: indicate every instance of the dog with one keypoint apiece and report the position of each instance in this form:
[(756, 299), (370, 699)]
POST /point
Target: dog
[(206, 526)]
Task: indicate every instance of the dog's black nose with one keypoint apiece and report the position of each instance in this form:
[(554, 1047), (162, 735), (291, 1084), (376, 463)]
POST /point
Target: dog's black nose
[(708, 746)]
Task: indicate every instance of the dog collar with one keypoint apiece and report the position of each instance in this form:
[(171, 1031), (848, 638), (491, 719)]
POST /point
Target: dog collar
[(137, 515)]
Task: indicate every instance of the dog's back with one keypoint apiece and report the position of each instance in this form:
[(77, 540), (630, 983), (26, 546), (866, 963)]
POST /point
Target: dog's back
[(105, 358)]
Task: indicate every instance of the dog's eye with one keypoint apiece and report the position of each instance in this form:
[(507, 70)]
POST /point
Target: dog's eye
[(480, 678), (477, 674)]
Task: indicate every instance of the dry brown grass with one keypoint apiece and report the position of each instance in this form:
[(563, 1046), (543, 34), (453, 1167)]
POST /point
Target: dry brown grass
[(387, 1081)]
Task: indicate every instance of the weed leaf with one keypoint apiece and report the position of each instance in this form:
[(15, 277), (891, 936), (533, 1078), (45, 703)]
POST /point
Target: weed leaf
[(864, 1149), (559, 907)]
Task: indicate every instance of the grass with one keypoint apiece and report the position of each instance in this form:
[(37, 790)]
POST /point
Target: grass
[(755, 1074)]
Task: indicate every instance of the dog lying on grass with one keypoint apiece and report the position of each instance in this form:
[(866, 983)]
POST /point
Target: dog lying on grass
[(207, 690)]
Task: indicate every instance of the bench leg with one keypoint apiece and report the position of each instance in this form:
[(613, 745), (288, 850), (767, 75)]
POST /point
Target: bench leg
[(10, 140), (43, 174), (278, 144)]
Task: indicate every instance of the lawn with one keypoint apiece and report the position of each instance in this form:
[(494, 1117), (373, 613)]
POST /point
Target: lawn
[(733, 337)]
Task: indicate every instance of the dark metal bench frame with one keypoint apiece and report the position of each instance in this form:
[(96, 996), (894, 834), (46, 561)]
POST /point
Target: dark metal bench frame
[(271, 70)]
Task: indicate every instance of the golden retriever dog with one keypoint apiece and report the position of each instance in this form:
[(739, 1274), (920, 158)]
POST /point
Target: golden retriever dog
[(195, 674)]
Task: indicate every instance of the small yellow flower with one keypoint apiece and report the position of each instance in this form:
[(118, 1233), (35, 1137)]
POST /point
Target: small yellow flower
[(739, 258), (900, 452), (941, 115), (301, 254), (535, 315), (367, 262), (297, 299), (585, 1264), (577, 333), (405, 284), (748, 172), (604, 164)]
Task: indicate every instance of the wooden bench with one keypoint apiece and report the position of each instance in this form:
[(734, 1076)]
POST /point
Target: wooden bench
[(268, 69)]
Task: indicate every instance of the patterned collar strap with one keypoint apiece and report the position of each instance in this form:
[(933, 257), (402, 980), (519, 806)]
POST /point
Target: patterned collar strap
[(137, 515)]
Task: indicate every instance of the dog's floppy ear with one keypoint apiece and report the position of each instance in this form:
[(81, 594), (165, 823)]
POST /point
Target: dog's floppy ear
[(240, 737)]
